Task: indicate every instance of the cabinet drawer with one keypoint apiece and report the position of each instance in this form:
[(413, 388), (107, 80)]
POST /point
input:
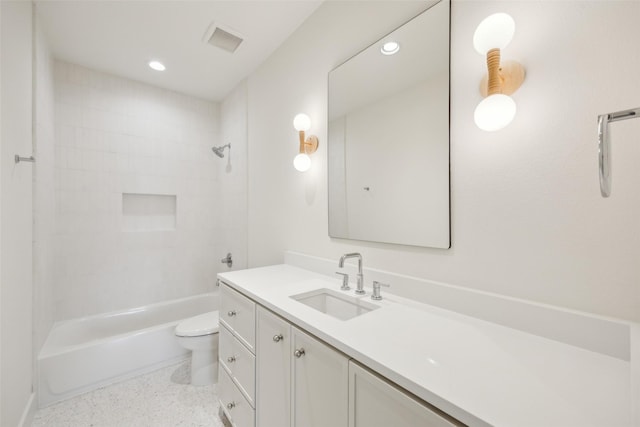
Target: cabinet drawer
[(235, 406), (239, 363), (238, 313)]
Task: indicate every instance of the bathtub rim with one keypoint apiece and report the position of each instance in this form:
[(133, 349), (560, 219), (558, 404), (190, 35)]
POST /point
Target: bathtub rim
[(46, 352)]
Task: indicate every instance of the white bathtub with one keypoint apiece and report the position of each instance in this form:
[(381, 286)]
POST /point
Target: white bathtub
[(83, 354)]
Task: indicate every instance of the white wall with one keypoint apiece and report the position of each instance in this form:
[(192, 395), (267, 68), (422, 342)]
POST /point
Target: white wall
[(43, 190), (16, 283), (527, 217), (116, 136), (1, 233)]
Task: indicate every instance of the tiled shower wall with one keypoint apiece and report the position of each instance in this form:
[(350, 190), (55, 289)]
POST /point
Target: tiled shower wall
[(232, 226), (114, 136)]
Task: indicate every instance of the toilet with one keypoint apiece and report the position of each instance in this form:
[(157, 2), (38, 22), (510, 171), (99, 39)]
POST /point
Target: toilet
[(200, 335)]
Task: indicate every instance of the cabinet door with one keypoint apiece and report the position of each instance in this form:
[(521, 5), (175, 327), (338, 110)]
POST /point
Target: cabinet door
[(320, 383), (373, 402), (273, 382)]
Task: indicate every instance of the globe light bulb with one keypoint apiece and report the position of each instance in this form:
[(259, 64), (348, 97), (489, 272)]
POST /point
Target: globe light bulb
[(495, 31), (495, 112), (302, 162), (302, 122)]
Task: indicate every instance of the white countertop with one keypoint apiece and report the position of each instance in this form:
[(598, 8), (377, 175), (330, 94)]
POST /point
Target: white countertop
[(478, 372)]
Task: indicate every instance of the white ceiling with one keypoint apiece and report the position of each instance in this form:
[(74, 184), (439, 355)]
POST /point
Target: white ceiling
[(121, 37)]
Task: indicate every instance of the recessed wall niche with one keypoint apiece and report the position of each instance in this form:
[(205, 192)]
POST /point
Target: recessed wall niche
[(148, 212)]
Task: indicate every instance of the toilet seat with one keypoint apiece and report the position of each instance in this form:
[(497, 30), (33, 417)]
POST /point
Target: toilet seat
[(204, 324)]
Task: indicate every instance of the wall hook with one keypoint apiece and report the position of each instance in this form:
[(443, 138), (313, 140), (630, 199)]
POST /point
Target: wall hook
[(19, 159), (604, 145)]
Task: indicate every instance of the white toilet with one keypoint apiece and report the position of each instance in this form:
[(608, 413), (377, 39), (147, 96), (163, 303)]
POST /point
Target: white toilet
[(200, 335)]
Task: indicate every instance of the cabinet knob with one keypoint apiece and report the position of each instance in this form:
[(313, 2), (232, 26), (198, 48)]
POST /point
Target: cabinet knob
[(299, 353), (231, 405), (231, 313), (231, 359), (278, 338)]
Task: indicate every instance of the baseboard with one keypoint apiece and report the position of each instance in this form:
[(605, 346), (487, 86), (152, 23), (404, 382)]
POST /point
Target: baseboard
[(29, 412), (223, 417)]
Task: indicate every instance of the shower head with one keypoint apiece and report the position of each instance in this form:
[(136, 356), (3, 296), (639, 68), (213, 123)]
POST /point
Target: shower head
[(219, 151)]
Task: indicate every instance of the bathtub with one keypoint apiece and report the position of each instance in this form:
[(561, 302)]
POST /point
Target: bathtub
[(83, 354)]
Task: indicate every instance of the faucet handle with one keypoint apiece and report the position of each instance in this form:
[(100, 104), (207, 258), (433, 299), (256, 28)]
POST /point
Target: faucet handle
[(345, 281), (376, 290)]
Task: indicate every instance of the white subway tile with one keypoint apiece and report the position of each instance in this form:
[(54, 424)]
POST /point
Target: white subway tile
[(136, 138), (67, 114), (78, 75)]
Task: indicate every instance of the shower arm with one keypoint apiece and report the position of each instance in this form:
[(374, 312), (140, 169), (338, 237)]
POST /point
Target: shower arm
[(604, 145)]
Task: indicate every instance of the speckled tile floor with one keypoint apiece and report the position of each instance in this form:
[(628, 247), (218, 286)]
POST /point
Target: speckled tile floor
[(162, 398)]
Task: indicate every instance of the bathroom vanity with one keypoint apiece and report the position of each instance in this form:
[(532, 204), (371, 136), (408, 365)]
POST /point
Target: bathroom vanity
[(276, 373), (297, 351)]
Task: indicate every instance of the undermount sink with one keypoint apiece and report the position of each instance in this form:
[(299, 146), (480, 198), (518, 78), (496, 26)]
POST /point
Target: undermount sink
[(333, 303)]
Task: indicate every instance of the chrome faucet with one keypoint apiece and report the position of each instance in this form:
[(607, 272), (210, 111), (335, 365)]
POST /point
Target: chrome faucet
[(360, 281)]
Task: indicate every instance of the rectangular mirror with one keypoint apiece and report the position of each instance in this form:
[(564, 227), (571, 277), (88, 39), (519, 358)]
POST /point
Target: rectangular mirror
[(388, 149)]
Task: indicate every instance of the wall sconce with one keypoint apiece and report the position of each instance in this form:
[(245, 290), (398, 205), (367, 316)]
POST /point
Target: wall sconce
[(498, 109), (302, 162)]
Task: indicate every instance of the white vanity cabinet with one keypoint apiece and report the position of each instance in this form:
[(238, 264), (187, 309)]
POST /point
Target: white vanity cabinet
[(236, 355), (300, 380), (374, 402), (273, 374)]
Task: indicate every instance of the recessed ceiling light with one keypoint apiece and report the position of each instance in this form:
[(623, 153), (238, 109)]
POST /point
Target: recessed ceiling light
[(156, 65), (389, 48)]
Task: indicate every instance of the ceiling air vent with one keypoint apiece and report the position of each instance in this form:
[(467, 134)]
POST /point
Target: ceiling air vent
[(222, 38)]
